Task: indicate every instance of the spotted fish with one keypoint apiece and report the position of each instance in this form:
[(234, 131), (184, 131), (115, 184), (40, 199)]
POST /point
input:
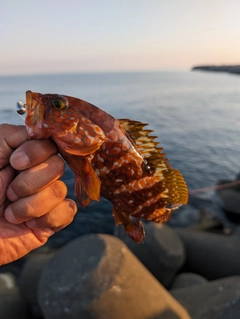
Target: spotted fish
[(117, 159)]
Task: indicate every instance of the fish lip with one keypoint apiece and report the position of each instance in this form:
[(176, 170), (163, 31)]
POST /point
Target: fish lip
[(34, 118)]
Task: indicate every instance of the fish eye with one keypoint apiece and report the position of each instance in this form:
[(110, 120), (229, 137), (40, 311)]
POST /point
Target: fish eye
[(60, 102)]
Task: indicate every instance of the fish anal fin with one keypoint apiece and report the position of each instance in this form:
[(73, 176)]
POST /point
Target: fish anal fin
[(132, 225), (160, 215)]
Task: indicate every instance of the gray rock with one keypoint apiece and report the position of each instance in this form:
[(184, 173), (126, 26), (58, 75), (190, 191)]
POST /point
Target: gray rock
[(187, 279), (12, 305), (162, 251), (231, 310), (211, 255), (29, 280), (7, 280), (229, 200), (207, 301), (96, 276), (236, 232)]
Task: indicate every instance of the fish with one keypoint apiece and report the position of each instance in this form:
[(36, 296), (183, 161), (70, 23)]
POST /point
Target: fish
[(118, 159)]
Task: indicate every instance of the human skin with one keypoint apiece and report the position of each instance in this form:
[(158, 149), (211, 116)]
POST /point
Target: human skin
[(33, 203)]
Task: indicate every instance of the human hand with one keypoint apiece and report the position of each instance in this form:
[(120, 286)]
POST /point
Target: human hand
[(32, 198)]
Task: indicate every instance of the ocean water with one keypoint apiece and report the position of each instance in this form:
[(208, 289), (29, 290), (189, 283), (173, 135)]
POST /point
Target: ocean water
[(195, 115)]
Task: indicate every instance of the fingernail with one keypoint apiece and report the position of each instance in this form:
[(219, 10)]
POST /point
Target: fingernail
[(11, 195), (19, 159), (9, 215), (31, 223)]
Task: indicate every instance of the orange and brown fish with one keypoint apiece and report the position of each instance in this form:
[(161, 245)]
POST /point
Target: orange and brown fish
[(117, 159)]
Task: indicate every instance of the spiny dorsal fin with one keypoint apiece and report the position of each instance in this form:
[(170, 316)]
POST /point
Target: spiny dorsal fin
[(171, 179), (145, 143)]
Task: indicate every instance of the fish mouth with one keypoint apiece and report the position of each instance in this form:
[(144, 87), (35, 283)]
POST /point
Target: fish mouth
[(35, 116)]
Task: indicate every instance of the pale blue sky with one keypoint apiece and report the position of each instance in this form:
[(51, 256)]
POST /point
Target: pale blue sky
[(116, 35)]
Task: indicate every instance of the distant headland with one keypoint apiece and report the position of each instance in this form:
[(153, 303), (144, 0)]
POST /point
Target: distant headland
[(218, 68)]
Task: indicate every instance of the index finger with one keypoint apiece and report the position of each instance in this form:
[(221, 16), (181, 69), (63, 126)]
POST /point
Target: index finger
[(11, 136)]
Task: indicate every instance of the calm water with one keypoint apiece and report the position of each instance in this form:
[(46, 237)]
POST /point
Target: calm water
[(196, 115)]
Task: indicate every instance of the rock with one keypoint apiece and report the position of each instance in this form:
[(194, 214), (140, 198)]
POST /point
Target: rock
[(7, 280), (211, 255), (29, 280), (229, 200), (231, 310), (12, 305), (162, 251), (96, 276), (207, 301), (236, 232), (187, 279)]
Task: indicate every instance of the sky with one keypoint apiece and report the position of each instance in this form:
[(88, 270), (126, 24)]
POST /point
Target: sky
[(116, 35)]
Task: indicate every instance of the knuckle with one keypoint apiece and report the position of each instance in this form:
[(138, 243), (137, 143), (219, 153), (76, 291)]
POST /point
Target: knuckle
[(59, 189), (57, 162)]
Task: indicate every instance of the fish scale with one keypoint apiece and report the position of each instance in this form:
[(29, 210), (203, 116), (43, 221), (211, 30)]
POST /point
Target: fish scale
[(117, 159)]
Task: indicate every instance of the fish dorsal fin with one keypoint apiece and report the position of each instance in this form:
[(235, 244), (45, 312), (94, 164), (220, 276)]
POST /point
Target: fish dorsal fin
[(145, 143), (171, 181)]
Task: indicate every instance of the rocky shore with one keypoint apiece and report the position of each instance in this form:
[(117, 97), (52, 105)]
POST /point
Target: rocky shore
[(188, 268), (235, 69)]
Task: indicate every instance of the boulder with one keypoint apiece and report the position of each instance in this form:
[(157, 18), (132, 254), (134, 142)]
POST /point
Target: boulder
[(162, 251), (209, 300), (229, 200), (211, 255), (12, 305), (187, 279), (96, 276), (7, 280), (29, 280), (231, 310)]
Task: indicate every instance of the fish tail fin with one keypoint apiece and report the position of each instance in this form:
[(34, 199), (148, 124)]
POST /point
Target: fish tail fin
[(132, 225)]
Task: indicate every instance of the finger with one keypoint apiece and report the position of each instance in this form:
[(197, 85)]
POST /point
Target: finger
[(6, 176), (57, 218), (32, 153), (11, 136), (34, 179), (37, 204)]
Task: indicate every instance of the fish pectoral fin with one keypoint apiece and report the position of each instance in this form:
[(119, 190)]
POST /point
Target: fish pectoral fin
[(83, 150), (90, 181), (132, 225), (82, 197)]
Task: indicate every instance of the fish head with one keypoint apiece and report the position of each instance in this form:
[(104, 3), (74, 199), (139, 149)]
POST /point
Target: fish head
[(61, 117), (48, 114)]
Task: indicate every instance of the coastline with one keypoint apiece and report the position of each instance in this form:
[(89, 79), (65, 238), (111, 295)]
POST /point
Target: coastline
[(233, 69)]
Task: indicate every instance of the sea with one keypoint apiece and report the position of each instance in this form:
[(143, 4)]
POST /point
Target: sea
[(196, 115)]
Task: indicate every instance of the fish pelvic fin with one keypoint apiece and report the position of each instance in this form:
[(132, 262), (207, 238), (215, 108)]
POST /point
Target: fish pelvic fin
[(89, 180), (132, 225), (82, 198)]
